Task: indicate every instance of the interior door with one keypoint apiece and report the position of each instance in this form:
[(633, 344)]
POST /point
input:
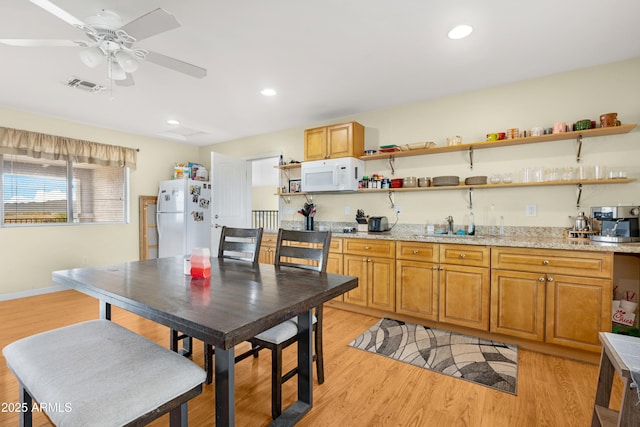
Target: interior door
[(231, 195), (148, 229)]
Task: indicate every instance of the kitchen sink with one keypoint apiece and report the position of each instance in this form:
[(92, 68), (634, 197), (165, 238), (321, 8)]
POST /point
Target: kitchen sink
[(447, 236)]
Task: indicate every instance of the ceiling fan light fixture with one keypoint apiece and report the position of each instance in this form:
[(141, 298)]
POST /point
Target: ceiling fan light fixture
[(91, 57), (116, 72), (268, 92), (126, 61)]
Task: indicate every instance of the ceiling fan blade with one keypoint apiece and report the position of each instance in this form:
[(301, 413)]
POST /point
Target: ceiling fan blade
[(177, 65), (58, 12), (126, 82), (155, 22), (43, 42)]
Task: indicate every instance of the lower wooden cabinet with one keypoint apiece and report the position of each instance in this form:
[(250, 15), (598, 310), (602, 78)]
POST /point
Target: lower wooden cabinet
[(577, 309), (518, 304), (417, 289), (464, 296), (376, 278), (268, 248), (533, 297)]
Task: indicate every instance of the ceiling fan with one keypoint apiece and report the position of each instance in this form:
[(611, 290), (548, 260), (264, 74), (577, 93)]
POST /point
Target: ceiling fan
[(114, 43)]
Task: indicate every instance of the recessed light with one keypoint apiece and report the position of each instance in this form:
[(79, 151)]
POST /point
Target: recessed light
[(268, 92), (460, 32), (173, 122)]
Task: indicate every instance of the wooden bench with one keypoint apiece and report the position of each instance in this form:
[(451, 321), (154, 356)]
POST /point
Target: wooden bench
[(101, 374)]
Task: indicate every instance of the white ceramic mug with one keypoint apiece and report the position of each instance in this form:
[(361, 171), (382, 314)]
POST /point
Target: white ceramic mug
[(628, 306)]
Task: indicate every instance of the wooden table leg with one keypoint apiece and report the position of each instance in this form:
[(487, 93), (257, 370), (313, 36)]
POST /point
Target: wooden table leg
[(225, 385), (605, 383)]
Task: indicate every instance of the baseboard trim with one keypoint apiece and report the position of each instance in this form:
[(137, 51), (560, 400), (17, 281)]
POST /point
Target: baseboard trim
[(33, 292)]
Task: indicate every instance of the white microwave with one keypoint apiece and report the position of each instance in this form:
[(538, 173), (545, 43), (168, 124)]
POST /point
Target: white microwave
[(341, 174)]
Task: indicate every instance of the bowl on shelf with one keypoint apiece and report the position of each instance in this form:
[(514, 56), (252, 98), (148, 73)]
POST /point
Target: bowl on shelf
[(396, 183), (370, 152), (443, 181), (475, 180), (424, 182), (410, 182)]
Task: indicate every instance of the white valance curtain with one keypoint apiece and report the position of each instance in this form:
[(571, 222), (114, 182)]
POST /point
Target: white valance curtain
[(39, 145)]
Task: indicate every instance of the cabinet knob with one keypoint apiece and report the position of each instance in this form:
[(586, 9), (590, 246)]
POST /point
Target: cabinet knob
[(366, 248), (545, 262), (434, 268), (550, 279), (462, 255), (368, 259), (416, 252), (441, 268), (541, 279)]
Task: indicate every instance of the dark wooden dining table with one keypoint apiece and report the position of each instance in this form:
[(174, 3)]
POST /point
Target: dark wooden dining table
[(237, 302)]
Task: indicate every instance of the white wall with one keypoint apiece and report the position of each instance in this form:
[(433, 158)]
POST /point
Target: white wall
[(28, 255), (569, 97)]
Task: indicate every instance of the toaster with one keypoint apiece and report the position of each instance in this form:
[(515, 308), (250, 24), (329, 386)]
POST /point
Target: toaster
[(378, 223)]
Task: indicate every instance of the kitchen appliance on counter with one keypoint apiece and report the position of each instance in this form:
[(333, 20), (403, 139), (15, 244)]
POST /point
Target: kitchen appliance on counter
[(378, 224), (184, 218), (616, 224)]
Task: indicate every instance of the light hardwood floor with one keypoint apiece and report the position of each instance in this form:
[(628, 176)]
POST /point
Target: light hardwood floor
[(360, 389)]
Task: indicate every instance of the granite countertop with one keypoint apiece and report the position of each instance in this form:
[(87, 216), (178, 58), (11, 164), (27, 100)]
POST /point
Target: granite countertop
[(517, 237), (520, 241)]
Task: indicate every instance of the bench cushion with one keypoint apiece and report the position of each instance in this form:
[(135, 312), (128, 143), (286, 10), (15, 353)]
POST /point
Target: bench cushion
[(99, 373)]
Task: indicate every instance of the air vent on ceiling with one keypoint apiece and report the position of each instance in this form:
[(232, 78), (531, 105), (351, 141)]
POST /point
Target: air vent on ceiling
[(183, 131), (85, 85)]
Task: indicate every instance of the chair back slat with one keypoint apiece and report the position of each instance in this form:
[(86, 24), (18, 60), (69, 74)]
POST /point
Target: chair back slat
[(240, 243), (303, 249)]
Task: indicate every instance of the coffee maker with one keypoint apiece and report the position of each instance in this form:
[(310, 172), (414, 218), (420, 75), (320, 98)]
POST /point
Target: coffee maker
[(616, 224)]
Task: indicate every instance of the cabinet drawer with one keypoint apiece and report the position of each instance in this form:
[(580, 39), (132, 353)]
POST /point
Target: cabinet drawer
[(269, 239), (575, 263), (336, 246), (370, 247), (477, 256), (417, 251)]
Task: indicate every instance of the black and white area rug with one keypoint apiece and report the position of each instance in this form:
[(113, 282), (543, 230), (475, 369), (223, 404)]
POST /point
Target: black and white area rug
[(481, 361)]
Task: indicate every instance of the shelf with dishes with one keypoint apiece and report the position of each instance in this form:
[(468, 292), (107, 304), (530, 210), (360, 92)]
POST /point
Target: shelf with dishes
[(504, 185), (578, 135)]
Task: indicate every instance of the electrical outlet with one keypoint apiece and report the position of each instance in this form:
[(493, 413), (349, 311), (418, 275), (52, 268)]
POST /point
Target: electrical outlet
[(347, 210), (398, 209), (530, 210)]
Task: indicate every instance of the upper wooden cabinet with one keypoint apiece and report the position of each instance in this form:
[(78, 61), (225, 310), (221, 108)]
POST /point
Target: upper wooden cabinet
[(329, 142)]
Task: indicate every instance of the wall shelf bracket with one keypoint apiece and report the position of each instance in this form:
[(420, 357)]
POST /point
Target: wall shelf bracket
[(286, 199), (309, 198), (471, 157), (392, 165), (579, 189), (393, 205), (579, 148), (470, 198)]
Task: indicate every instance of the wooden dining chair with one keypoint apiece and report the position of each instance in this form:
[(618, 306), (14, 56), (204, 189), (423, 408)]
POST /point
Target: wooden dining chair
[(300, 249), (235, 243)]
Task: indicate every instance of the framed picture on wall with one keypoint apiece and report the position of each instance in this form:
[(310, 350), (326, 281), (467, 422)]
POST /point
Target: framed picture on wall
[(295, 185)]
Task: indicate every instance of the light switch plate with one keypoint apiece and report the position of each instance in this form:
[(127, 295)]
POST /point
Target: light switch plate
[(531, 210)]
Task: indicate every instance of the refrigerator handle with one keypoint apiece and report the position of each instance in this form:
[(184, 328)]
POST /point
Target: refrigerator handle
[(158, 228)]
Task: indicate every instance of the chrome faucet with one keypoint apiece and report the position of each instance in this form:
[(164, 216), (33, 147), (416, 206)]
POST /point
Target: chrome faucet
[(449, 219)]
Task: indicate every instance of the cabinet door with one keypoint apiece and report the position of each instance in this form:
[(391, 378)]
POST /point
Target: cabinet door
[(417, 289), (464, 296), (577, 309), (355, 265), (518, 304), (268, 248), (382, 278), (340, 140), (315, 144)]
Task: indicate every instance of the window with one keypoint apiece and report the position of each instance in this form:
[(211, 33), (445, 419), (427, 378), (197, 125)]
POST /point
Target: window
[(41, 191)]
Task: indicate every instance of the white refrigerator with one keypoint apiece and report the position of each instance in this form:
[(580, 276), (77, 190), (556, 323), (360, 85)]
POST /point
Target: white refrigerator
[(184, 217)]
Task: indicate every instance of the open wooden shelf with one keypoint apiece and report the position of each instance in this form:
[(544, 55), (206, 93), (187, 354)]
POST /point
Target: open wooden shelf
[(512, 184), (589, 133)]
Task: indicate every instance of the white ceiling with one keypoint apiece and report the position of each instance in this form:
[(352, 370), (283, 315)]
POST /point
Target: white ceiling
[(327, 59)]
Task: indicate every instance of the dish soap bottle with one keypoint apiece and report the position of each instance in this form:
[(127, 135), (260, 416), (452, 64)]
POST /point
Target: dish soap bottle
[(471, 228)]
